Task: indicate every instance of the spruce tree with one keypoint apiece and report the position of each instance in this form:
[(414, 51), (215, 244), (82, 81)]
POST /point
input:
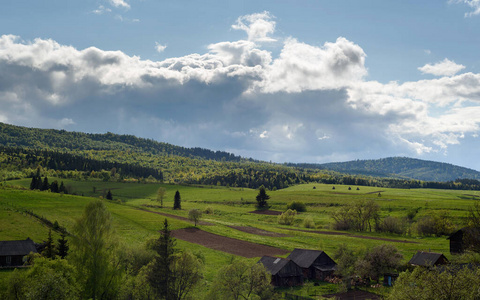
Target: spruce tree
[(177, 201), (62, 247), (62, 189), (160, 276), (45, 185), (49, 251), (109, 195), (262, 198), (33, 183)]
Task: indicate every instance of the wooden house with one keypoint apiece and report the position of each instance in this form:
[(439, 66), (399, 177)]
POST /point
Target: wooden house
[(315, 264), (428, 259), (284, 272), (463, 239), (13, 252)]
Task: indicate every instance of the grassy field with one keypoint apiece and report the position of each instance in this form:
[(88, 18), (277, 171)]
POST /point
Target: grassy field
[(231, 207)]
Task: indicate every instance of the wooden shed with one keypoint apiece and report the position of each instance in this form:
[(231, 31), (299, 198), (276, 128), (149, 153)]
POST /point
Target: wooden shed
[(428, 259), (284, 271), (315, 264), (13, 252), (463, 239)]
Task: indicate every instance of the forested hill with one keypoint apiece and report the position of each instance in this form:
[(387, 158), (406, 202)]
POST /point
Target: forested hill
[(16, 136), (399, 167)]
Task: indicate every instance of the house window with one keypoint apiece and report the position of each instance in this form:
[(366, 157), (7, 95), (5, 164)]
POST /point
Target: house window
[(8, 260)]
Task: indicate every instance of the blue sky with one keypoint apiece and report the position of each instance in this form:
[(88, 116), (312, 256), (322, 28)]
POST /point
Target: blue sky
[(284, 81)]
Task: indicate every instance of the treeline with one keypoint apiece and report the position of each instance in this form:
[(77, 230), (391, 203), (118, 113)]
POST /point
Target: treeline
[(20, 158)]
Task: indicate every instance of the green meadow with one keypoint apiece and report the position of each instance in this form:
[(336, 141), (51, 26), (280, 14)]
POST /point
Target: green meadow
[(135, 222)]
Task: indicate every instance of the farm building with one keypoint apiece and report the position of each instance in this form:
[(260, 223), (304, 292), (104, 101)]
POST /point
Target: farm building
[(315, 264), (428, 259), (12, 252), (284, 272), (463, 239)]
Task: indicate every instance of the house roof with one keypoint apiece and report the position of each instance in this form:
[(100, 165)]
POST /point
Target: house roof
[(303, 257), (475, 231), (23, 247), (273, 264), (422, 258)]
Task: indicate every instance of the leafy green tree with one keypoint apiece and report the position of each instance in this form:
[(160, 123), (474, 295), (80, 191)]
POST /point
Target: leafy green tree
[(160, 276), (47, 279), (94, 252), (446, 283), (177, 201), (345, 259), (262, 198), (242, 280), (195, 215), (187, 271), (161, 195), (379, 260)]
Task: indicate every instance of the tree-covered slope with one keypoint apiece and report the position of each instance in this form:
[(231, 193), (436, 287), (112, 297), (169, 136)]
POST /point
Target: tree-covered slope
[(400, 167), (17, 136)]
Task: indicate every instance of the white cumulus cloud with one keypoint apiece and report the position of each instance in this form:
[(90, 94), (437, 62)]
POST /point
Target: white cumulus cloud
[(159, 47), (257, 26), (444, 68)]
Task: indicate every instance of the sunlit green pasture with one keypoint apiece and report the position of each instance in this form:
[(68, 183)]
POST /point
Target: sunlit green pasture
[(231, 207)]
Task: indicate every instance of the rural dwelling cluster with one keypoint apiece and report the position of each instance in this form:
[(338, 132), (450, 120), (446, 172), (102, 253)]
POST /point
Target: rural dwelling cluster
[(300, 265), (12, 253)]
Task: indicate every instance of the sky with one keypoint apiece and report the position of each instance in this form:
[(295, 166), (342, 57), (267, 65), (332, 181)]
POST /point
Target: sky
[(311, 81)]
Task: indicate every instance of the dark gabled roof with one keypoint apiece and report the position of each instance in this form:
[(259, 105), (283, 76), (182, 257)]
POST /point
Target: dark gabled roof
[(273, 264), (303, 257), (475, 231), (427, 258), (24, 247)]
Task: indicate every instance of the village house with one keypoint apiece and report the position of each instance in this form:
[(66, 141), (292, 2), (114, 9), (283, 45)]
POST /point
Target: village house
[(428, 259), (315, 264), (13, 252), (463, 239), (284, 272)]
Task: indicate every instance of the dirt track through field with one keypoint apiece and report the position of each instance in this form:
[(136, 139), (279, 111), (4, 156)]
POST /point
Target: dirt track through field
[(226, 244), (355, 236)]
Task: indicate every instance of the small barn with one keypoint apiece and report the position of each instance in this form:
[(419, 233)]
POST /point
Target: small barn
[(428, 259), (284, 272), (463, 239), (13, 252), (315, 264)]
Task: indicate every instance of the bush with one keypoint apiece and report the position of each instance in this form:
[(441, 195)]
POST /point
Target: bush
[(287, 218), (208, 210), (393, 225), (308, 222), (436, 224), (298, 206)]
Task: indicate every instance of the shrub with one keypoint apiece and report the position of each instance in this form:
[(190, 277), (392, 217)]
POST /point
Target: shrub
[(287, 218), (393, 225), (208, 210), (308, 222), (297, 205)]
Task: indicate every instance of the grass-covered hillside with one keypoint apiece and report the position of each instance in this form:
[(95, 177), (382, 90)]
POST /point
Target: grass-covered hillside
[(227, 212)]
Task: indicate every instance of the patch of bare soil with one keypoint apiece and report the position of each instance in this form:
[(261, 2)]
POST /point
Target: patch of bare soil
[(356, 236), (226, 244), (266, 212), (258, 231), (174, 216)]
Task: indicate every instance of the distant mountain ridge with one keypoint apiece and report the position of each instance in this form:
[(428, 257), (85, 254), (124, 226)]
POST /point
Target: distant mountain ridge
[(401, 168)]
